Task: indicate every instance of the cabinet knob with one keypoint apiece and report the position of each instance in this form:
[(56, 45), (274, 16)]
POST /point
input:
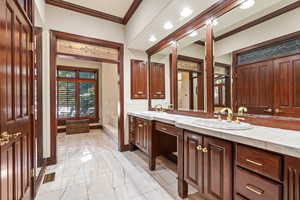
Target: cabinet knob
[(269, 110), (205, 150), (277, 110), (4, 138), (199, 148)]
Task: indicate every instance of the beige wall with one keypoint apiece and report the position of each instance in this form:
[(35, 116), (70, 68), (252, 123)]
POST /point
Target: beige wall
[(110, 97)]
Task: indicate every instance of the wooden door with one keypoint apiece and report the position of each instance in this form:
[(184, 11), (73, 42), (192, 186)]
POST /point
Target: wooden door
[(287, 86), (193, 160), (157, 81), (254, 87), (138, 79), (15, 103), (292, 179), (218, 168)]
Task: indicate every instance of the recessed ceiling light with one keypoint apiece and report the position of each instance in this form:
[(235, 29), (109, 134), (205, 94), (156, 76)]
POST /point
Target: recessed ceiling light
[(152, 38), (193, 34), (247, 4), (215, 22), (168, 26), (186, 12)]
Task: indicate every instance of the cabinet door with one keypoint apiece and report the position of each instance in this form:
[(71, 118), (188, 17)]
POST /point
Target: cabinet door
[(193, 160), (292, 179), (138, 79), (287, 86), (157, 81), (142, 135), (218, 168), (254, 87)]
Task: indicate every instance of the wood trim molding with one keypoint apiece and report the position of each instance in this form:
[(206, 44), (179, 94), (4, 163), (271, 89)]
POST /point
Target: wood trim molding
[(134, 6), (95, 13), (54, 36), (199, 42), (260, 20), (219, 8), (191, 59)]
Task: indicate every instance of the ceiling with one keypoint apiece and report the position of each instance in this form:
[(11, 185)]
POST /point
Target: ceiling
[(117, 8), (229, 21)]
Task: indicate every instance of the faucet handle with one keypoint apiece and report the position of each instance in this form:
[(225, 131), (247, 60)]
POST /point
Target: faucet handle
[(218, 116)]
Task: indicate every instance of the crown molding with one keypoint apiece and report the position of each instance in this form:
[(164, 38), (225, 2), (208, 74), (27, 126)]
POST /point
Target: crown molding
[(87, 11)]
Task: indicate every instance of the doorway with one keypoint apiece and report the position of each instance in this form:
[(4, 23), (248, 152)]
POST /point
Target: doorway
[(72, 46)]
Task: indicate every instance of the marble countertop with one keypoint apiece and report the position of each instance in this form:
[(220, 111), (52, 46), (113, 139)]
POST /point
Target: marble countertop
[(273, 139)]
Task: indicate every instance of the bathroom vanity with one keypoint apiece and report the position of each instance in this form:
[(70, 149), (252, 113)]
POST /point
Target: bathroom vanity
[(260, 163)]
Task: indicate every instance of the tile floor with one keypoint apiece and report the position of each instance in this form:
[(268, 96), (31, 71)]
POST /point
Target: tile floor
[(90, 168)]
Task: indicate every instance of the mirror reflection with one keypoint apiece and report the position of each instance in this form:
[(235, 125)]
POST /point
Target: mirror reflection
[(255, 68), (190, 71), (160, 94)]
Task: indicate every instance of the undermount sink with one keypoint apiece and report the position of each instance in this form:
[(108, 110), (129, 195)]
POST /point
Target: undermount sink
[(222, 124)]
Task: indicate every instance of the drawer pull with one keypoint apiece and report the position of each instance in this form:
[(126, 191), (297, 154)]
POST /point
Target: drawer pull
[(205, 150), (140, 92), (164, 129), (255, 190), (140, 125), (253, 162)]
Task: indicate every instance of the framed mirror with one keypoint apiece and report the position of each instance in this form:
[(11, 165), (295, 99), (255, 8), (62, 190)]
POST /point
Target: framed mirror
[(255, 65)]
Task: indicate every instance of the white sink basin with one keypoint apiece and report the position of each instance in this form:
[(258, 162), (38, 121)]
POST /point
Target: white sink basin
[(224, 125)]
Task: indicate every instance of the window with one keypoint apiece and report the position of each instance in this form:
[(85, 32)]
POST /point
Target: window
[(77, 93)]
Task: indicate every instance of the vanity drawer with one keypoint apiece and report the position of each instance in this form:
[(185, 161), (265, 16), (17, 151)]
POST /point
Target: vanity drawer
[(259, 161), (238, 197), (255, 187), (167, 128)]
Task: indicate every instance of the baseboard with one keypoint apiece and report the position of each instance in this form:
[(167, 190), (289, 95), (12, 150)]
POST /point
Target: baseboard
[(40, 177), (63, 130)]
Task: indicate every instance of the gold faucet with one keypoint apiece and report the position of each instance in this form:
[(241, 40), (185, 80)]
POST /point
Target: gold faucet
[(158, 108), (241, 111), (229, 112)]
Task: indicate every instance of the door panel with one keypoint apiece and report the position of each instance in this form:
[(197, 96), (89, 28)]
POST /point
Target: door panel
[(193, 160), (287, 86), (254, 87), (218, 169), (15, 103)]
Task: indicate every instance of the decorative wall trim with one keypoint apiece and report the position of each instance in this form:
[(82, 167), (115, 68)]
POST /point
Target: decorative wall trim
[(95, 13)]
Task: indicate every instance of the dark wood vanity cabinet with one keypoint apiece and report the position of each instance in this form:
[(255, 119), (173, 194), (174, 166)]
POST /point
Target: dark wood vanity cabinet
[(157, 80), (138, 79), (208, 165), (292, 179), (142, 134)]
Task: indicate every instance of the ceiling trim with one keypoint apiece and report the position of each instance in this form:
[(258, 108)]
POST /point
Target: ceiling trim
[(267, 17), (219, 8), (81, 9), (134, 6)]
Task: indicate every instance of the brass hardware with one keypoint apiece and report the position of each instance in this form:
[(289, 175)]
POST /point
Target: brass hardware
[(4, 141), (241, 111), (140, 92), (199, 148), (254, 189), (140, 125), (218, 116), (230, 114), (205, 150), (277, 110), (16, 135), (269, 110), (253, 162), (159, 108), (164, 129), (158, 92)]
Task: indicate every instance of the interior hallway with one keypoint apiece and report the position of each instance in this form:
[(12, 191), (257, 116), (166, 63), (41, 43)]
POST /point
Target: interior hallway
[(90, 168)]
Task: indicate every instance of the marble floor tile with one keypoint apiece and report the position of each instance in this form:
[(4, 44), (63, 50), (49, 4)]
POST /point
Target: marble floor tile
[(91, 168)]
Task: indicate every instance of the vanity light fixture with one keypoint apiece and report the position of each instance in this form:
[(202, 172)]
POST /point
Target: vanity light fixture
[(186, 12), (152, 38), (247, 4), (168, 26)]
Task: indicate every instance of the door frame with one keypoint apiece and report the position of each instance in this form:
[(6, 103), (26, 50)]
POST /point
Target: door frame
[(54, 36)]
